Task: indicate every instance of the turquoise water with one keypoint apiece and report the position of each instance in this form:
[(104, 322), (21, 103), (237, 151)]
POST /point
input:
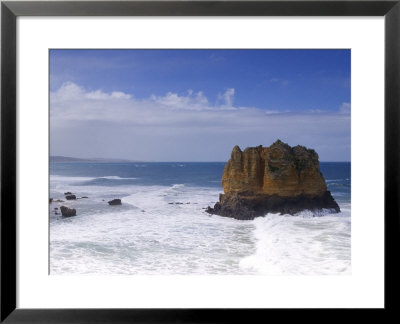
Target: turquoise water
[(162, 227)]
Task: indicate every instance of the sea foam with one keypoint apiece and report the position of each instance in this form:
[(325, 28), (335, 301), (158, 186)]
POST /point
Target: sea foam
[(164, 229), (301, 245)]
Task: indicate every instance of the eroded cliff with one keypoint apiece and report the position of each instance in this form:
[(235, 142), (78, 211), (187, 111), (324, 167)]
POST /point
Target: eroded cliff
[(278, 179)]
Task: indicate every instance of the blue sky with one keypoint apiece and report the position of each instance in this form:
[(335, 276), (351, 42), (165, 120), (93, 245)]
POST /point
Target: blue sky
[(209, 99)]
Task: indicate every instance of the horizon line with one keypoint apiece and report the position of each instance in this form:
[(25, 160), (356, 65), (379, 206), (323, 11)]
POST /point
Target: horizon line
[(124, 160)]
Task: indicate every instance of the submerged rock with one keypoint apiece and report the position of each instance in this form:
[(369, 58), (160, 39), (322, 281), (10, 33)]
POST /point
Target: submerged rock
[(115, 202), (70, 197), (67, 212), (274, 179)]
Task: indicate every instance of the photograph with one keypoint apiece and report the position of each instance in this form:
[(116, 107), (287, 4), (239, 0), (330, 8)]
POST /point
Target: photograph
[(200, 162)]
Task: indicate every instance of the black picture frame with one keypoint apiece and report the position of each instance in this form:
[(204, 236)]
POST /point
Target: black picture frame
[(11, 10)]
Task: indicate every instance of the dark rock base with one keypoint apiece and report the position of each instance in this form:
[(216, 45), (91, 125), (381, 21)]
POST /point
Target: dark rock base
[(247, 206), (67, 212), (114, 202)]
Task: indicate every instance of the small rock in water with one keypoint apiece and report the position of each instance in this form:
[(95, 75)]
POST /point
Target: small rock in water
[(84, 197), (170, 203), (58, 200), (55, 208), (50, 200), (67, 212), (70, 197), (68, 193), (115, 202)]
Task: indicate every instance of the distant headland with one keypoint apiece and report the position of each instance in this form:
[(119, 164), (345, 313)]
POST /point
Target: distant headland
[(64, 159), (275, 179)]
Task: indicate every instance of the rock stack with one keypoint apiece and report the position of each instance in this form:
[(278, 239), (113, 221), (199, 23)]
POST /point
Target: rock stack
[(274, 179)]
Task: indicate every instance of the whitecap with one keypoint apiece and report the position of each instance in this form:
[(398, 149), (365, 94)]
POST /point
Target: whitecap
[(70, 179), (301, 245)]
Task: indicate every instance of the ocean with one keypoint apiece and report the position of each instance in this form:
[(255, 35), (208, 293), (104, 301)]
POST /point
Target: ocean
[(162, 228)]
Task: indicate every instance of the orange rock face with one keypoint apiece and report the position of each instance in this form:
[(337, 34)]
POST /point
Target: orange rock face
[(275, 170), (275, 179)]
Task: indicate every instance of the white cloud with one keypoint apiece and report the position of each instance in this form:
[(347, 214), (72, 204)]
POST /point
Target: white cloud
[(83, 123), (71, 91), (345, 108), (196, 101), (227, 97), (68, 91)]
